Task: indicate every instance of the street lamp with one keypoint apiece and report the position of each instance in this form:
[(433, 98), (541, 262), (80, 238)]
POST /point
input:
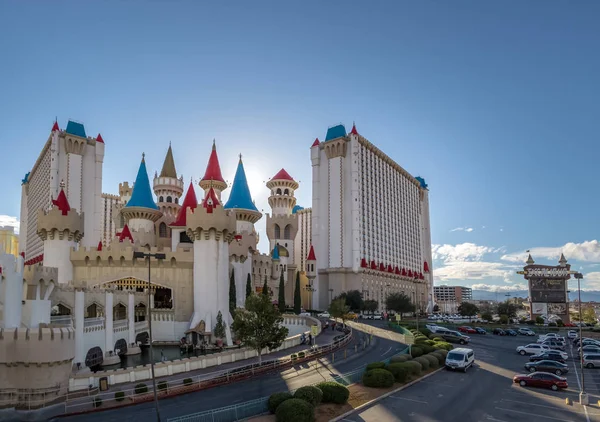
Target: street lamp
[(330, 295), (157, 256), (583, 397)]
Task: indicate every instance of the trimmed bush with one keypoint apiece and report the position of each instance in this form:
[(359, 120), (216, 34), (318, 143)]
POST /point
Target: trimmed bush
[(120, 396), (442, 352), (375, 365), (301, 355), (416, 351), (276, 399), (400, 358), (399, 371), (427, 349), (295, 410), (378, 378), (425, 331), (430, 342), (440, 358), (310, 394), (97, 402), (424, 362), (414, 367), (436, 339), (334, 392), (141, 388), (187, 381), (443, 345), (433, 361), (294, 356), (162, 385)]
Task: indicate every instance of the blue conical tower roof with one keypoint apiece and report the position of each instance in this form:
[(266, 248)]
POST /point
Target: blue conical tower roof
[(142, 194), (240, 193), (275, 253)]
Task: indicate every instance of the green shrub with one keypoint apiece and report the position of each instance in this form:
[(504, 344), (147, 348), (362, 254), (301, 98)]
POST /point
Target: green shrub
[(433, 361), (443, 345), (441, 358), (295, 410), (399, 371), (276, 399), (425, 331), (375, 365), (414, 367), (430, 342), (334, 392), (400, 358), (120, 396), (294, 356), (162, 385), (97, 402), (141, 388), (432, 336), (427, 348), (187, 381), (436, 339), (442, 352), (416, 351), (378, 378), (301, 355), (310, 394), (424, 362)]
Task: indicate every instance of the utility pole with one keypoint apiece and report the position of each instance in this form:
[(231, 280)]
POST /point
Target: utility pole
[(583, 397)]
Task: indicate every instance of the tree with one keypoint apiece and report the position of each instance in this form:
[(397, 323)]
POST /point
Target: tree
[(487, 316), (468, 309), (436, 308), (281, 298), (370, 305), (339, 309), (297, 298), (259, 325), (232, 293), (220, 327), (400, 303), (265, 290), (248, 285), (589, 316), (508, 309), (353, 299)]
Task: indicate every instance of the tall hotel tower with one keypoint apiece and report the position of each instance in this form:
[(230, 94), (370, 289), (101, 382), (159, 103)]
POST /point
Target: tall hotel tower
[(370, 223)]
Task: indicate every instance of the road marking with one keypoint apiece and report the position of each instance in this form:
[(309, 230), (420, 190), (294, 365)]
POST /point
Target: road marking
[(491, 418), (437, 383), (532, 404), (387, 351), (404, 398), (577, 375), (533, 414)]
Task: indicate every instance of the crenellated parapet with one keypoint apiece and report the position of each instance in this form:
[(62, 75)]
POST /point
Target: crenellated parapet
[(34, 274), (282, 221), (201, 222), (120, 254), (243, 244), (262, 265), (57, 224)]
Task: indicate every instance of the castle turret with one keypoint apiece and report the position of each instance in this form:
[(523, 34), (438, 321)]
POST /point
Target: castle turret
[(141, 212), (311, 265), (60, 228), (168, 190), (213, 177), (11, 289), (212, 228), (282, 199), (178, 228), (241, 201)]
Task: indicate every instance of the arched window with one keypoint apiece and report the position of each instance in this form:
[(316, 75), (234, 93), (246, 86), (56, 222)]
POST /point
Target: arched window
[(278, 191), (161, 199), (287, 232), (162, 230), (277, 231), (169, 199), (286, 192), (177, 200)]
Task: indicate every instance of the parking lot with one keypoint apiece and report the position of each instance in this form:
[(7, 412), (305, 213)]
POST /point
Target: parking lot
[(487, 393)]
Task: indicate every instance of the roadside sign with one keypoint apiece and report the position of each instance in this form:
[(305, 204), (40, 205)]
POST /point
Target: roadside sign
[(314, 330)]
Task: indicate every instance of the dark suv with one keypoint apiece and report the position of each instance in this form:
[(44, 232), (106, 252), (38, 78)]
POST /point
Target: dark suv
[(499, 332), (454, 337)]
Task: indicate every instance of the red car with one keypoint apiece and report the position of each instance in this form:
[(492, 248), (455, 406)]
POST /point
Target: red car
[(541, 379), (468, 330)]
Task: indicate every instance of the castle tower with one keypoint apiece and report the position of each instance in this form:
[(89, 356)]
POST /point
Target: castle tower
[(178, 234), (60, 228), (141, 212), (241, 201), (213, 177), (282, 199), (11, 289), (168, 189), (212, 228)]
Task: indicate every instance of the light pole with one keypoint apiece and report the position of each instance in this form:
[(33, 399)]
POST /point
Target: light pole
[(157, 256), (330, 295), (583, 397)]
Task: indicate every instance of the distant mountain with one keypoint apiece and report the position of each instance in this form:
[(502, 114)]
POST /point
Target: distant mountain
[(586, 296)]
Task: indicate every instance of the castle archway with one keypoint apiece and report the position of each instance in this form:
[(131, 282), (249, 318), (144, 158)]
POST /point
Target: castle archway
[(162, 295), (142, 338), (121, 347), (94, 357)]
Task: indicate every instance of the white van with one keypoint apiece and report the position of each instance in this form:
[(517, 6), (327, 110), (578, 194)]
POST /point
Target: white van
[(460, 358)]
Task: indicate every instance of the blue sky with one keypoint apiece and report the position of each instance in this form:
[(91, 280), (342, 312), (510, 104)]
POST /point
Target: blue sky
[(493, 103)]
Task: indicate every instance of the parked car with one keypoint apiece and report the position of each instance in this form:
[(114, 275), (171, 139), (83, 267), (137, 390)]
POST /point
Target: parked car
[(556, 355), (525, 332), (541, 379), (586, 342), (499, 332), (460, 358), (377, 316), (511, 332), (553, 366), (590, 348), (324, 315), (591, 360), (555, 345), (532, 349), (572, 334), (480, 330), (467, 330), (454, 337), (350, 316)]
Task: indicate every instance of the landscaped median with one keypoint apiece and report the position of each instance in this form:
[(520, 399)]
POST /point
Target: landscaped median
[(330, 400)]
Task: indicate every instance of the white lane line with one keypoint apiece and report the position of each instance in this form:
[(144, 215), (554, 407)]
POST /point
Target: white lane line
[(532, 414), (387, 351), (437, 383), (404, 398), (493, 419), (533, 404), (579, 383)]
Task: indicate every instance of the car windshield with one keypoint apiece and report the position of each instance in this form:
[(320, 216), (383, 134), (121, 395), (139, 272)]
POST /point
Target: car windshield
[(454, 356)]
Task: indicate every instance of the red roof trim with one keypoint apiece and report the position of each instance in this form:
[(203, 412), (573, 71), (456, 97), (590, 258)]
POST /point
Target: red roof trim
[(99, 138), (316, 143), (363, 263), (210, 201), (100, 246), (425, 266), (282, 175), (62, 203), (373, 265), (354, 131), (125, 234), (55, 127), (311, 254), (189, 202)]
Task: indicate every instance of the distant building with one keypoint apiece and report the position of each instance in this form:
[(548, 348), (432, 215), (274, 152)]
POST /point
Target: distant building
[(453, 293), (9, 241)]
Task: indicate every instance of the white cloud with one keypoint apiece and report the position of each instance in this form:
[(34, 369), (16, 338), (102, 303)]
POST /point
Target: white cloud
[(460, 252), (588, 251), (7, 220), (473, 270), (496, 288), (460, 229), (590, 281)]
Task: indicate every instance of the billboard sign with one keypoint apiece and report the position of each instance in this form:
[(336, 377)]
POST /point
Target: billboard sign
[(547, 296), (557, 308), (539, 308)]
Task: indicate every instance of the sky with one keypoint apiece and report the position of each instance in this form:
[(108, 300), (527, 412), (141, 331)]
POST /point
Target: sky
[(493, 103)]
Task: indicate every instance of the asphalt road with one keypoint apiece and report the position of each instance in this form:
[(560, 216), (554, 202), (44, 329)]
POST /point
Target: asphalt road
[(385, 344), (486, 392)]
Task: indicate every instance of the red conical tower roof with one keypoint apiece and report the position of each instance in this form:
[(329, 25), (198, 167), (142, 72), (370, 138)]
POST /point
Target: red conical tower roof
[(210, 201), (99, 138), (55, 126), (354, 131), (213, 169), (100, 246), (62, 203), (189, 202), (125, 234), (282, 175), (311, 254), (315, 143)]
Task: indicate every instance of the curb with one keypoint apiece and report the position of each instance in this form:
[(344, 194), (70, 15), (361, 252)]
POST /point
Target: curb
[(386, 395)]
